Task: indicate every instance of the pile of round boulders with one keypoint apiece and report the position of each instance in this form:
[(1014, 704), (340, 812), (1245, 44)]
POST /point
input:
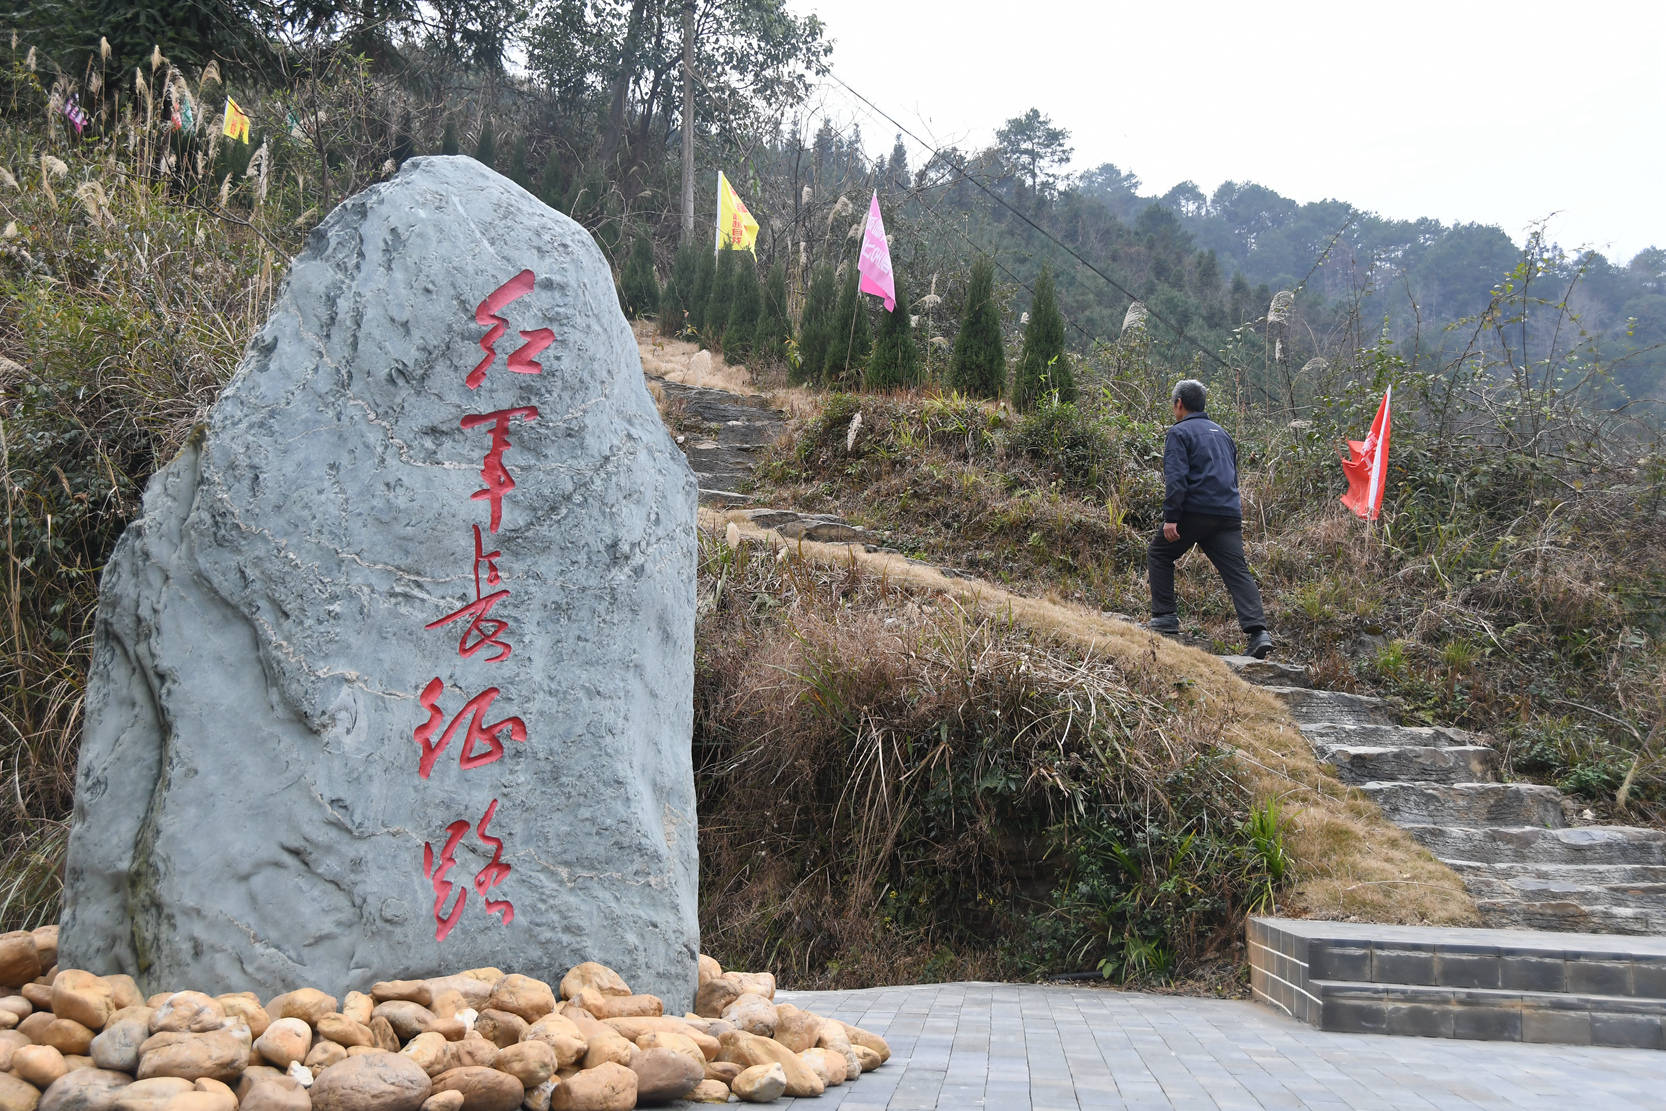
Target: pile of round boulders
[(480, 1040)]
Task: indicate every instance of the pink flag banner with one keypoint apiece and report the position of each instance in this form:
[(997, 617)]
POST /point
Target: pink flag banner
[(73, 112), (875, 264)]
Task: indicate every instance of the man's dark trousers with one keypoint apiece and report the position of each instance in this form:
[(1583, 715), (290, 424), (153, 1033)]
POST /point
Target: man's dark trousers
[(1222, 540)]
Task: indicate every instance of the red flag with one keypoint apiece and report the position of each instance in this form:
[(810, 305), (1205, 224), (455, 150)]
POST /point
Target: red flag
[(1367, 466)]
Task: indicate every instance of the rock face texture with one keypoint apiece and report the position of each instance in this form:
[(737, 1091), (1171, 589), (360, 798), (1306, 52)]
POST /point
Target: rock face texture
[(393, 675)]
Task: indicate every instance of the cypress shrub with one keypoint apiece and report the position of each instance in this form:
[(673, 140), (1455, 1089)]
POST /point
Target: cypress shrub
[(746, 302), (717, 300), (448, 139), (979, 365), (517, 163), (769, 338), (851, 339), (694, 299), (815, 326), (485, 151), (673, 300), (895, 362), (1043, 368), (552, 181), (638, 286)]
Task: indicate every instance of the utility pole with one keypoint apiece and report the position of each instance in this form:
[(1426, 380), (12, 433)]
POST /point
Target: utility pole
[(688, 121)]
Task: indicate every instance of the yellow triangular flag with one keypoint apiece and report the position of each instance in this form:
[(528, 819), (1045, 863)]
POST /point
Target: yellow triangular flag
[(237, 122), (735, 226)]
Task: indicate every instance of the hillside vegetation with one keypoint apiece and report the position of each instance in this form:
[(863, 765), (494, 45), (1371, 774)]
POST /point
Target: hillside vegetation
[(1515, 583)]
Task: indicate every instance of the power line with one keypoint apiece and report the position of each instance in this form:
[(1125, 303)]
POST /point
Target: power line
[(1049, 236)]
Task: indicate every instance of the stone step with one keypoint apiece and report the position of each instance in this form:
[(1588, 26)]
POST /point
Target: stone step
[(1509, 984), (1512, 871), (1573, 915), (1422, 764), (1389, 736), (1468, 804), (1491, 1014), (1534, 844), (1268, 673), (1332, 707)]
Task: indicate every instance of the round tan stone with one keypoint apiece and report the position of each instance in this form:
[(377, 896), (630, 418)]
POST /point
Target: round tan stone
[(322, 1055), (709, 968), (117, 1045), (35, 1023), (444, 1101), (66, 1036), (474, 990), (531, 1063), (126, 992), (500, 1027), (357, 1006), (286, 1040), (408, 1019), (607, 1087), (342, 1030), (10, 1042), (19, 959), (307, 1004), (716, 994), (619, 1006), (664, 1075), (16, 1005), (280, 1093), (758, 983), (679, 1043), (750, 1049), (483, 1088), (221, 1054), (253, 1075), (46, 944), (796, 1029), (709, 1091), (448, 1003), (726, 1071), (383, 990), (760, 1083), (187, 1012), (522, 995), (828, 1065), (40, 1065), (82, 997), (538, 1099), (245, 1005), (17, 1095), (201, 1101), (754, 1014), (561, 1035), (85, 1090), (470, 1052), (371, 1082), (606, 1046), (861, 1037), (152, 1094), (429, 1052), (595, 976), (386, 1037)]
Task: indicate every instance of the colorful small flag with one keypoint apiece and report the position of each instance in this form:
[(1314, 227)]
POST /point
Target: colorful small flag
[(875, 263), (184, 117), (73, 112), (295, 131), (1367, 466), (736, 228), (237, 122)]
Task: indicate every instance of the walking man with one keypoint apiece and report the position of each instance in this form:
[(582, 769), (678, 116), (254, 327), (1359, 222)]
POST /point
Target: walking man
[(1201, 506)]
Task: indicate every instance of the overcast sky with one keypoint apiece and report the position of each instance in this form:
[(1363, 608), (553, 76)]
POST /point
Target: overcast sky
[(1495, 113)]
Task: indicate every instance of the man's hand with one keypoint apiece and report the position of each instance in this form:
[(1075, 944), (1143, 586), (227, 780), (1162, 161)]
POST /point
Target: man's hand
[(1171, 531)]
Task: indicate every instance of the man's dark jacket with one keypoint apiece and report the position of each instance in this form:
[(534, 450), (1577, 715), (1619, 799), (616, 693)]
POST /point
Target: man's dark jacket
[(1200, 470)]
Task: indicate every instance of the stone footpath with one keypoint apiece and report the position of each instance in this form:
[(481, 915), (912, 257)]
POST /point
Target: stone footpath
[(1023, 1047)]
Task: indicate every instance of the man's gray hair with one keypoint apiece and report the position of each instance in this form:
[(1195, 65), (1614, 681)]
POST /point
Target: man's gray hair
[(1191, 393)]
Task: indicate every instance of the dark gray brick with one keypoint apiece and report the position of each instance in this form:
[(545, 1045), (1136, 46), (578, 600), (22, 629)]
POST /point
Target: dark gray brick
[(1487, 1024), (1467, 970), (1633, 1031), (1528, 973), (1423, 1020), (1558, 1027), (1588, 977), (1353, 1016), (1402, 966), (1340, 962)]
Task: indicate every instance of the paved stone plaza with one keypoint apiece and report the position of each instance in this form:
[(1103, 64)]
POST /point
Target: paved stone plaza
[(1025, 1047)]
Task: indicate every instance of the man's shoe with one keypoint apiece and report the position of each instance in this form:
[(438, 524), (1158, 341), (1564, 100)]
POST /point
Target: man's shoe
[(1260, 644), (1168, 624)]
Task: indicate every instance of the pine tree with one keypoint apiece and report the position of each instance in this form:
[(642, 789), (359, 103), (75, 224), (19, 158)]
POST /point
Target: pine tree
[(638, 288), (769, 338), (700, 292), (517, 163), (895, 362), (745, 304), (673, 300), (717, 300), (448, 139), (851, 338), (1043, 367), (485, 151), (979, 365), (815, 326)]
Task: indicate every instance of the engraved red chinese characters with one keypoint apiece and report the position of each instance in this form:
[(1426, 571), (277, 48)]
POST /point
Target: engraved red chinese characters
[(495, 872), (486, 315), (482, 629), (481, 743), (492, 471)]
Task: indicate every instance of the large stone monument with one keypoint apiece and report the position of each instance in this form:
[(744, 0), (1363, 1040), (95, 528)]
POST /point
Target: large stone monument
[(393, 675)]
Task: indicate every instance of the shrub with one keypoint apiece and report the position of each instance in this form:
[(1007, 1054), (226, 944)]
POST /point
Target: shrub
[(774, 330), (979, 366), (815, 326), (638, 288), (895, 361), (745, 305), (849, 338), (1044, 367)]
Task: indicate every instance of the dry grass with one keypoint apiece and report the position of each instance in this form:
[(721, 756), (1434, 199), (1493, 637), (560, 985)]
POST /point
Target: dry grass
[(685, 363), (1351, 862)]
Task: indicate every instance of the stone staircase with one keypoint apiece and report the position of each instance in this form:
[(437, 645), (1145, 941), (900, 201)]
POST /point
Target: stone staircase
[(1517, 846)]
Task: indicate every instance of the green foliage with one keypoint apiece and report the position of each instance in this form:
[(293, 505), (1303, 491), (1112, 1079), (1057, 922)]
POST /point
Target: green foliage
[(774, 330), (745, 306), (638, 288), (678, 290), (518, 172), (448, 140), (552, 180), (849, 339), (979, 367), (719, 298), (815, 326), (1044, 367), (699, 294), (895, 362)]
